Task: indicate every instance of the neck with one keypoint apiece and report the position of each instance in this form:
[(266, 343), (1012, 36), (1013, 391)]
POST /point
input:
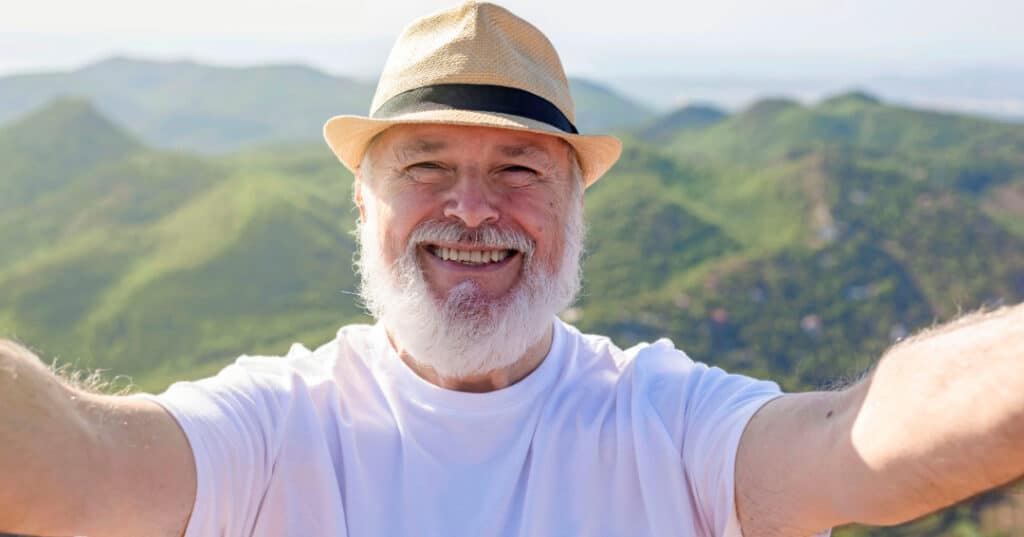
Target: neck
[(484, 382)]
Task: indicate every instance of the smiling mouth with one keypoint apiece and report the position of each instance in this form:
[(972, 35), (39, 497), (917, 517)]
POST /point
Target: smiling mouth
[(469, 257)]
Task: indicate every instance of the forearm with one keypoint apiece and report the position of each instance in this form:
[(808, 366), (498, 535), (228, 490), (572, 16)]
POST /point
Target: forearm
[(40, 428), (940, 419)]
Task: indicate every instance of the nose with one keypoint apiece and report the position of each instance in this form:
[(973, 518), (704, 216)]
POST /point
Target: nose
[(470, 202)]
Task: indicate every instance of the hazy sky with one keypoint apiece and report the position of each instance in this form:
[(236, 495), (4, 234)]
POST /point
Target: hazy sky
[(784, 38)]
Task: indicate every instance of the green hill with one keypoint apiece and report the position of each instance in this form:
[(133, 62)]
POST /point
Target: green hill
[(134, 263), (774, 129), (43, 151), (691, 116), (186, 105), (600, 109)]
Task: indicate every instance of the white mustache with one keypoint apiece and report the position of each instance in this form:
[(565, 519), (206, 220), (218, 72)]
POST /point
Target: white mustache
[(487, 236)]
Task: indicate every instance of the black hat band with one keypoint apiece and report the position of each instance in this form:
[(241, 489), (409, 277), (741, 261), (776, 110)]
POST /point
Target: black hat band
[(480, 98)]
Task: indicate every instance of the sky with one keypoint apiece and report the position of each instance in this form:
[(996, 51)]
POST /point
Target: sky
[(784, 38)]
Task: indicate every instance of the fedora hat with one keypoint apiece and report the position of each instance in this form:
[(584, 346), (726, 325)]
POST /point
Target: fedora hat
[(475, 64)]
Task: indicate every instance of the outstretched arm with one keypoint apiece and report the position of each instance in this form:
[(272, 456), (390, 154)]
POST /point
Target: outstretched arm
[(940, 419), (75, 463)]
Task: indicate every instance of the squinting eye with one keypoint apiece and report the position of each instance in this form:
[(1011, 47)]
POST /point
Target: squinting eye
[(427, 172), (518, 176)]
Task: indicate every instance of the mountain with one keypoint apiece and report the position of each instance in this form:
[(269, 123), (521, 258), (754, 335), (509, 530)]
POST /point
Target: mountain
[(132, 263), (186, 105), (839, 227), (44, 150), (996, 92), (787, 241), (770, 128), (600, 109), (183, 105), (664, 127)]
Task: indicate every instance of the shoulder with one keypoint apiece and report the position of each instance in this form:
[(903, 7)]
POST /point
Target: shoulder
[(302, 365), (643, 358), (664, 370), (662, 378), (642, 371), (644, 363), (267, 384)]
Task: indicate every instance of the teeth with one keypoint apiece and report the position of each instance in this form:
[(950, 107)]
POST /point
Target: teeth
[(471, 257)]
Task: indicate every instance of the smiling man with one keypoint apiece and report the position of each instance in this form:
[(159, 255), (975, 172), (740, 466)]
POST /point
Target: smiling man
[(469, 408)]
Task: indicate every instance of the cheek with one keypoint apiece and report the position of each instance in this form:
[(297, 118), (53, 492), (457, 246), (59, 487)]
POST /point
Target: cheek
[(380, 219), (394, 238), (548, 229), (397, 220), (394, 248)]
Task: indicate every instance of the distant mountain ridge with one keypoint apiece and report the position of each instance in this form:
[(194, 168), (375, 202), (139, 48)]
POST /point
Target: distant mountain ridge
[(185, 105), (664, 127)]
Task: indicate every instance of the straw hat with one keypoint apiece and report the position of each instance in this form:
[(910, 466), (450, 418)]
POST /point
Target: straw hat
[(474, 64)]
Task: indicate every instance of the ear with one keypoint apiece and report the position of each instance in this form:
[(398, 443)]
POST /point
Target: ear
[(357, 194)]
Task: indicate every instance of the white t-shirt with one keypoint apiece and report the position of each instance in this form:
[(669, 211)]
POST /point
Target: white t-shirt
[(348, 441)]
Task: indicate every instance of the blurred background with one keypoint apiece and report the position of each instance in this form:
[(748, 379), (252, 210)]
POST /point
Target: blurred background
[(803, 182)]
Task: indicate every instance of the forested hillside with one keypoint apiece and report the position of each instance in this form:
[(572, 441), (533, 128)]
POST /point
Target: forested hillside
[(151, 263), (826, 232), (788, 241)]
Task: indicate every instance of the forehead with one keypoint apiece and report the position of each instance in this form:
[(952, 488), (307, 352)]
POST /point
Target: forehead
[(412, 141)]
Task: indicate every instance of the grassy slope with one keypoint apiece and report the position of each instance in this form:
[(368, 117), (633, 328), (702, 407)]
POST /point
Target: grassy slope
[(152, 264)]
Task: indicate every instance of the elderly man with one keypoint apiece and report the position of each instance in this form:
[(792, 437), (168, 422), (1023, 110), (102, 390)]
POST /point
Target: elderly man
[(469, 408)]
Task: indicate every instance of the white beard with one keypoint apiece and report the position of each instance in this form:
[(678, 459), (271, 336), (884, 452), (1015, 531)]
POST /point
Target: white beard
[(467, 332)]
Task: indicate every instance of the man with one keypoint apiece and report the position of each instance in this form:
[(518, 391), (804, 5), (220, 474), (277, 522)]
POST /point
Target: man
[(469, 409)]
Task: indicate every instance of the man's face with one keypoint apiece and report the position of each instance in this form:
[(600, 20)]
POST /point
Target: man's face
[(477, 177), (470, 241)]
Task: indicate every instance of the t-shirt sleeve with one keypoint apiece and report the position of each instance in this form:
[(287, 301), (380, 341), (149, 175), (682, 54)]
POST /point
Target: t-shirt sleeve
[(718, 407), (232, 422), (704, 410)]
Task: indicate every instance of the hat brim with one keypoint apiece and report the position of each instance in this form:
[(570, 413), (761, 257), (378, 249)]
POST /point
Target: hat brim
[(349, 136)]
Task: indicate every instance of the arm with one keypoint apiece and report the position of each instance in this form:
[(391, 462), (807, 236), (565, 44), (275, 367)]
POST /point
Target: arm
[(940, 419), (77, 463)]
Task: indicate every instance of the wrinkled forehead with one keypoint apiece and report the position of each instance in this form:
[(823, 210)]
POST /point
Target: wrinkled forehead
[(411, 142)]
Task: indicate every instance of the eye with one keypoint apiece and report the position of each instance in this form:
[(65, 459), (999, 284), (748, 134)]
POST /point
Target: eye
[(426, 172), (520, 169), (517, 175)]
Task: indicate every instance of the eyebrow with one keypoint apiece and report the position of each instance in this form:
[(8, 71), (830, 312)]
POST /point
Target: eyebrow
[(425, 146), (527, 150), (420, 146), (520, 150)]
